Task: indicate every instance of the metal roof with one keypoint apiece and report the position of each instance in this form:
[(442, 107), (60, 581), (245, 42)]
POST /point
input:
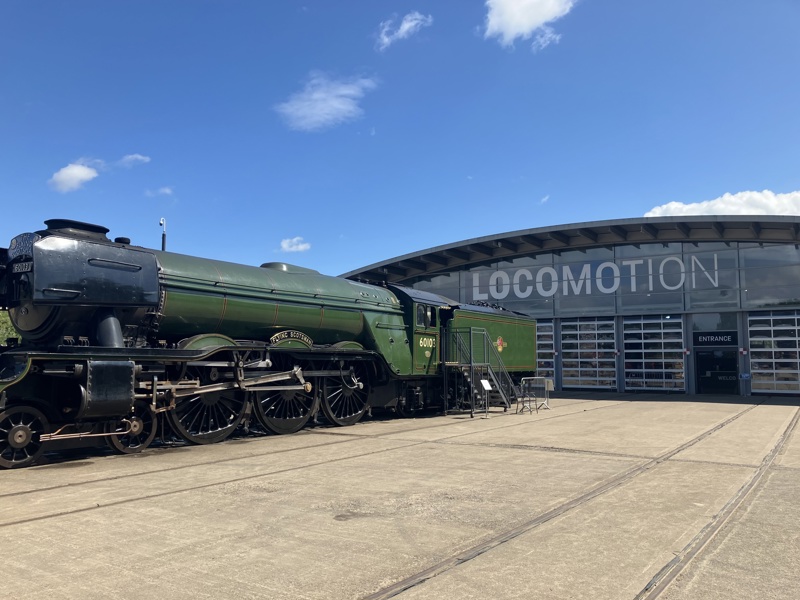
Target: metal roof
[(643, 230)]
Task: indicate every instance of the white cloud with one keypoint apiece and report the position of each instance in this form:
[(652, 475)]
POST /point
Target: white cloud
[(544, 199), (512, 19), (129, 160), (76, 174), (295, 244), (162, 191), (72, 177), (741, 203), (325, 102), (411, 24)]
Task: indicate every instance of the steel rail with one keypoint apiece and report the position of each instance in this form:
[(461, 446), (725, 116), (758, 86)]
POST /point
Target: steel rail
[(667, 574), (447, 564)]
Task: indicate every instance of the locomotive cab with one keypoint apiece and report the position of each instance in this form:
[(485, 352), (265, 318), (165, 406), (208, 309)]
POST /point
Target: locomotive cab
[(426, 339), (426, 313)]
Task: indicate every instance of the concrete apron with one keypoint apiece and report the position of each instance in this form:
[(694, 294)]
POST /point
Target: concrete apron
[(347, 513)]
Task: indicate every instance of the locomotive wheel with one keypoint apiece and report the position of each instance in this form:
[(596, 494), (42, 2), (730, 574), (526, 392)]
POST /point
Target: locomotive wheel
[(407, 409), (345, 398), (20, 428), (137, 430), (283, 411), (208, 418)]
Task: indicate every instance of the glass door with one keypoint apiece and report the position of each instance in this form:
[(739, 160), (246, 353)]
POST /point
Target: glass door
[(588, 352), (717, 371)]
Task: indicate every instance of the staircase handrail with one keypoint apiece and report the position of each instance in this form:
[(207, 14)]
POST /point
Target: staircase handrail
[(480, 352), (500, 375)]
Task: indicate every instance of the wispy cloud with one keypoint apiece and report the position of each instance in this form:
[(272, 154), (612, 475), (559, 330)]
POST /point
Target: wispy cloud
[(545, 36), (512, 19), (388, 34), (162, 191), (130, 160), (741, 203), (77, 173), (325, 102), (545, 199), (295, 244), (72, 177)]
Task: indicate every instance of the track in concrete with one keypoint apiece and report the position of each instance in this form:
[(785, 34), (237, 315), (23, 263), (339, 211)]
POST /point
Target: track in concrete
[(339, 438), (665, 575), (350, 437), (671, 570), (352, 434)]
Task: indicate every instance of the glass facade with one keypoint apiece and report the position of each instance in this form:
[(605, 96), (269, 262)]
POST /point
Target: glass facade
[(588, 353), (615, 317), (774, 351), (654, 353), (545, 348), (661, 277)]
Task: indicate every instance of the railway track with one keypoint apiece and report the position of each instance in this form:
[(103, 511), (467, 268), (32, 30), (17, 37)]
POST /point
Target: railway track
[(665, 575), (331, 446), (350, 435), (660, 582)]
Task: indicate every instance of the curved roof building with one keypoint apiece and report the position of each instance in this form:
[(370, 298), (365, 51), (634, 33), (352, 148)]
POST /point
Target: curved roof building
[(706, 304)]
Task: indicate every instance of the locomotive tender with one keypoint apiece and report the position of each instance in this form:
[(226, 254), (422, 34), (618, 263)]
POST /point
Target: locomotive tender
[(116, 339)]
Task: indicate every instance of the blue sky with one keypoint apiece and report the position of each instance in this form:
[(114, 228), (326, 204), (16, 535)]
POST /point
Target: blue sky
[(334, 135)]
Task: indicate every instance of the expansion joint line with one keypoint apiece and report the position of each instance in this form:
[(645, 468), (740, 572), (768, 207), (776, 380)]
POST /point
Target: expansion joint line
[(471, 553), (673, 568)]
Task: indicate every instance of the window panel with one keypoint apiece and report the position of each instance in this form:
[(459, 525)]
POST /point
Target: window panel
[(596, 353), (545, 349), (660, 369), (775, 349)]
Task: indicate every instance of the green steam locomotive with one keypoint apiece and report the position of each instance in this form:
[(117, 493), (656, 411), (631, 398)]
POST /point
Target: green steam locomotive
[(116, 340)]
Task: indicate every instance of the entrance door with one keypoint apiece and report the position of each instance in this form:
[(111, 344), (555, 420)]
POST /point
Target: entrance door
[(717, 371)]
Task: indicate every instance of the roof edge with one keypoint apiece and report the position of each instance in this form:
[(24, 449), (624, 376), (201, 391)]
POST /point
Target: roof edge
[(592, 231)]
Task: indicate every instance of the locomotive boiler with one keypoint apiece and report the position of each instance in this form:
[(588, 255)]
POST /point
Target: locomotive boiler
[(117, 341)]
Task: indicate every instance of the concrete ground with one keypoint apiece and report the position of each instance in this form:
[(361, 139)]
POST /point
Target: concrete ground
[(602, 496)]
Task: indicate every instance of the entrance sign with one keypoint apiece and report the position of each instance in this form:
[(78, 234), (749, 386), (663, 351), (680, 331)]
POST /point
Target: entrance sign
[(716, 338)]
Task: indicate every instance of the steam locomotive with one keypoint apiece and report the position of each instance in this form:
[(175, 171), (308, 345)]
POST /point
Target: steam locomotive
[(118, 341)]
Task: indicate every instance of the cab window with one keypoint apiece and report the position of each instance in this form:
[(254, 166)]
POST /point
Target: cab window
[(426, 316)]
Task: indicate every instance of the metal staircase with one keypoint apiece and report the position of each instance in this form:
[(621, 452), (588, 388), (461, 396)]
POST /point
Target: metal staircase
[(470, 358)]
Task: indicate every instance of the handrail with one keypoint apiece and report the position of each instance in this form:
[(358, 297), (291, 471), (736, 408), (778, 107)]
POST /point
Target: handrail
[(479, 354)]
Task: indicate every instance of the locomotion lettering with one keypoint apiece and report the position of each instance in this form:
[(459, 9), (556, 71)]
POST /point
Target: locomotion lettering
[(669, 273)]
